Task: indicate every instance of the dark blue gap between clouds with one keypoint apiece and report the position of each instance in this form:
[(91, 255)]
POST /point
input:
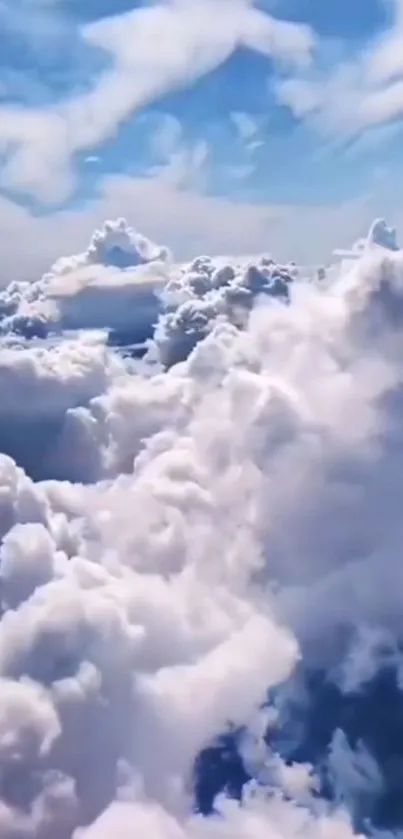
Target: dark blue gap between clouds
[(372, 717)]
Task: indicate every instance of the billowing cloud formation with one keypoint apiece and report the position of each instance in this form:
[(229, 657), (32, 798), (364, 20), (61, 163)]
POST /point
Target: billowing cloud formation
[(130, 289), (228, 564), (124, 283), (379, 236), (112, 284), (206, 291)]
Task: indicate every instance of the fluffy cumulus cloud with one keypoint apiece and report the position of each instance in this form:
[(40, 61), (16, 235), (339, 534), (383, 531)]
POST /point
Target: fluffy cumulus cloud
[(200, 575), (379, 237), (113, 283), (126, 284), (122, 291), (207, 290)]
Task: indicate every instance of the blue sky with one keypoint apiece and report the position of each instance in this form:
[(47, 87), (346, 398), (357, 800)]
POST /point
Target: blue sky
[(274, 104)]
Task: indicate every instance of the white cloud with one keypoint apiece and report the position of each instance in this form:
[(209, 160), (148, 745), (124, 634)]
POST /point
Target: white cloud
[(186, 221), (126, 284), (153, 50), (113, 284), (247, 527), (357, 95), (167, 137), (246, 126)]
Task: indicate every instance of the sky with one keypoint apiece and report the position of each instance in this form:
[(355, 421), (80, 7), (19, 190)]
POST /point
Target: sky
[(201, 577), (209, 124)]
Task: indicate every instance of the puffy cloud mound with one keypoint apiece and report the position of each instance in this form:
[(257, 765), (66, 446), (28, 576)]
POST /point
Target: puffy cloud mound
[(126, 284), (130, 289), (206, 291), (119, 245), (40, 387), (382, 235), (113, 284), (379, 236), (203, 603)]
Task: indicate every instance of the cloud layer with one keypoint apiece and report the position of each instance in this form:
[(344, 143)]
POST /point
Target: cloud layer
[(215, 554)]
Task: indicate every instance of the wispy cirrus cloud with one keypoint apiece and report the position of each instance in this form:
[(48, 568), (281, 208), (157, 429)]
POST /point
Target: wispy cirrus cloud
[(152, 51), (359, 94)]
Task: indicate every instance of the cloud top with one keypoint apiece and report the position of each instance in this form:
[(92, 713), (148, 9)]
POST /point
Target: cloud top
[(211, 550)]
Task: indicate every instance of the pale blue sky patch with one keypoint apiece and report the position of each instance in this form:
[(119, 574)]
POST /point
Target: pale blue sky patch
[(277, 103)]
